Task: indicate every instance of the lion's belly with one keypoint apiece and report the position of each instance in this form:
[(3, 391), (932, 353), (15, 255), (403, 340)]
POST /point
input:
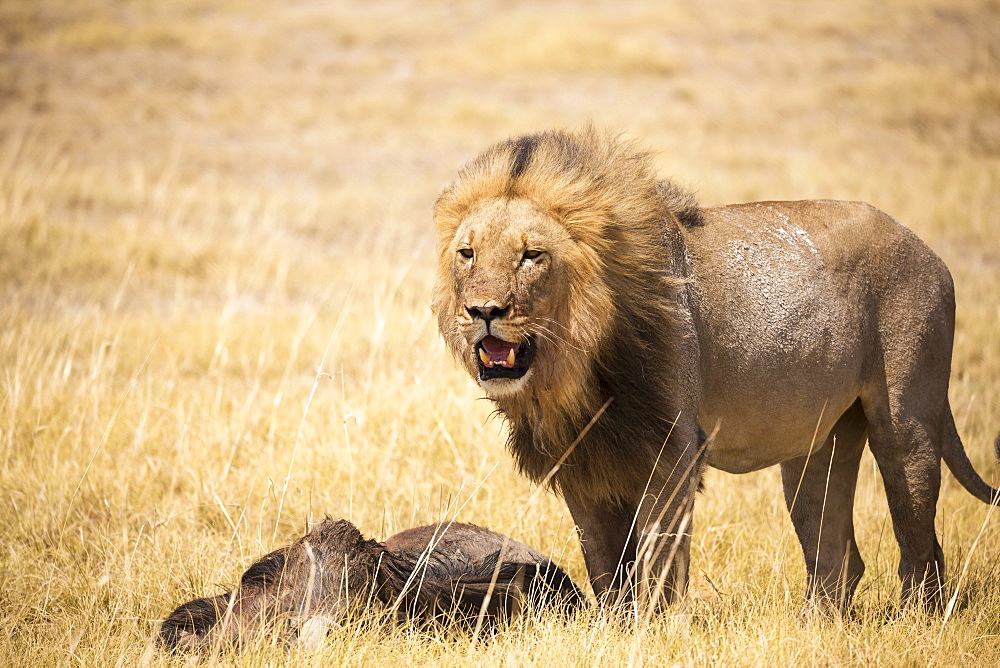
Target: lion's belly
[(750, 436), (780, 336), (766, 402)]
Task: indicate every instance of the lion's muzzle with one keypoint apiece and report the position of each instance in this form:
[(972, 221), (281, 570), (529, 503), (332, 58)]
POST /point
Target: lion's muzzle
[(497, 358)]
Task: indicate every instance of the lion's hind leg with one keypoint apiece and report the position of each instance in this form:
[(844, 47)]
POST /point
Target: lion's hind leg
[(819, 493), (906, 403), (905, 397), (910, 463)]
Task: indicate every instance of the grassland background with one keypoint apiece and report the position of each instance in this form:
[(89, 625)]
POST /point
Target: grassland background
[(215, 266)]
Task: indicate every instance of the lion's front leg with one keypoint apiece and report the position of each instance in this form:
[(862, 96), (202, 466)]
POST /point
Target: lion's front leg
[(664, 542), (639, 551), (609, 545)]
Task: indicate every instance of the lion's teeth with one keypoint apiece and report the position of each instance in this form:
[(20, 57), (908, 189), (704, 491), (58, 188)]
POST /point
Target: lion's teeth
[(484, 357), (510, 357)]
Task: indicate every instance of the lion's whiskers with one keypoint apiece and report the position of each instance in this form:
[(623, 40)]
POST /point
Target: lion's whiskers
[(549, 334)]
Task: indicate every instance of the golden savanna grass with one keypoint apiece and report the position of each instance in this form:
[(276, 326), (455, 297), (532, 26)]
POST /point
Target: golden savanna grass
[(216, 262)]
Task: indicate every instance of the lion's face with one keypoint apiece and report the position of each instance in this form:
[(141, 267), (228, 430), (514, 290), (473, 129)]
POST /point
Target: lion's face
[(505, 302)]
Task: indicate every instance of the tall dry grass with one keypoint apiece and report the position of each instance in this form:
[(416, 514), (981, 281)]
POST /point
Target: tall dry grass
[(215, 273)]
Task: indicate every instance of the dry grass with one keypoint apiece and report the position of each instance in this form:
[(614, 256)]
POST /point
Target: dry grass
[(215, 274)]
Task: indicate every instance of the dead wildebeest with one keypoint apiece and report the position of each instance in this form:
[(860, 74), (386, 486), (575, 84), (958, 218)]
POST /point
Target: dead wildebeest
[(458, 571)]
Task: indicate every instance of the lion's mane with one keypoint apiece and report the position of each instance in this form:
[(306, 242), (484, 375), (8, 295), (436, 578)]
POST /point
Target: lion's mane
[(613, 351)]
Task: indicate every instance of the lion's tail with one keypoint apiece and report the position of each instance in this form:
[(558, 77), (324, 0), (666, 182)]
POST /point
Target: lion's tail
[(958, 461)]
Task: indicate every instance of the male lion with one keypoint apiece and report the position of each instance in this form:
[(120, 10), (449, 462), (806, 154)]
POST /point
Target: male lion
[(608, 316)]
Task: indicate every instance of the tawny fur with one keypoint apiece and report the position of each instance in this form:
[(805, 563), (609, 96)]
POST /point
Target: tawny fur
[(792, 331), (603, 192)]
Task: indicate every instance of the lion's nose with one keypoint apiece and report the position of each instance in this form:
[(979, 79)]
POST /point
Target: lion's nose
[(487, 312)]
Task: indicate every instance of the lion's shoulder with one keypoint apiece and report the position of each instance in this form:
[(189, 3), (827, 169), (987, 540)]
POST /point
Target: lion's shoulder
[(680, 202)]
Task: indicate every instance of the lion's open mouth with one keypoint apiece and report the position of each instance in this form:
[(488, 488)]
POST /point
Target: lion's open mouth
[(502, 359)]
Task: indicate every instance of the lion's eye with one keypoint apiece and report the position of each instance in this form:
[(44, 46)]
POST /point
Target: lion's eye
[(467, 253), (531, 255)]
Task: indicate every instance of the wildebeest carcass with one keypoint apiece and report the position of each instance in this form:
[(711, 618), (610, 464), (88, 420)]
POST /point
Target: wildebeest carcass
[(452, 570)]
